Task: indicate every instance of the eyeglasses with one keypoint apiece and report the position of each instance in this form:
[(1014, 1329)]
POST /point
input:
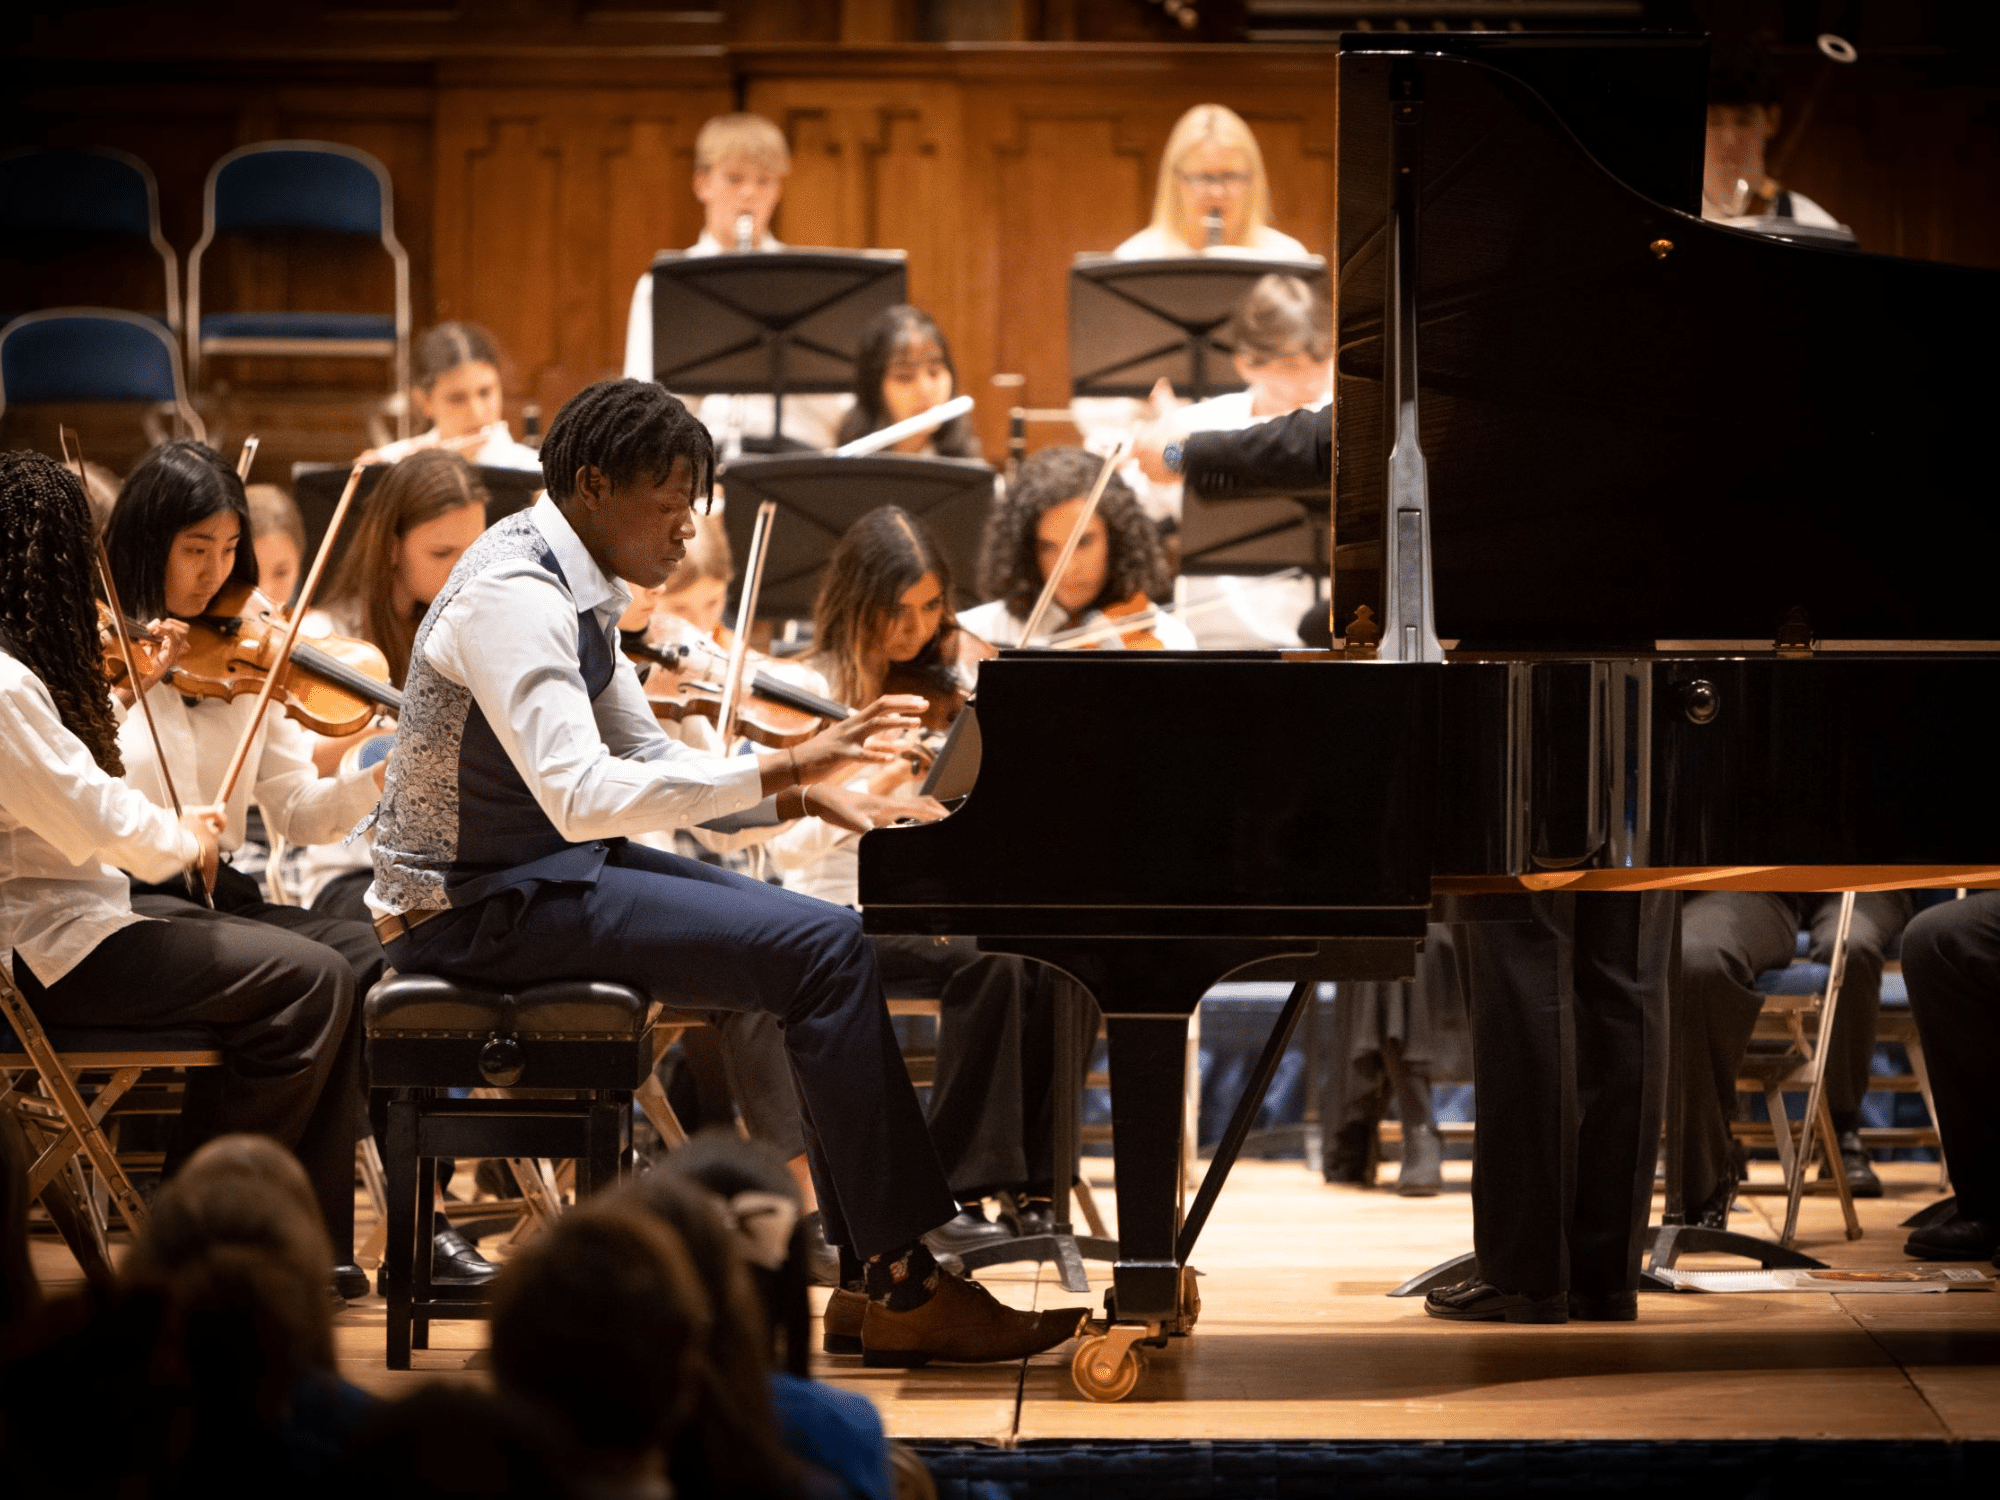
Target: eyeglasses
[(1228, 182)]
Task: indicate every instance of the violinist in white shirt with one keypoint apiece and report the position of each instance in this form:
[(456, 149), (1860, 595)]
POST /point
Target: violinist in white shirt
[(740, 165), (281, 1006), (456, 387)]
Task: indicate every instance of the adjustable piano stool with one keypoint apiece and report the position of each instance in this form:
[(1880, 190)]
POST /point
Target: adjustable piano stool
[(575, 1051)]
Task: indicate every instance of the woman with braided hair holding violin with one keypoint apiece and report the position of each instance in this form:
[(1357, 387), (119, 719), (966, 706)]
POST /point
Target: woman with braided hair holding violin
[(281, 1006)]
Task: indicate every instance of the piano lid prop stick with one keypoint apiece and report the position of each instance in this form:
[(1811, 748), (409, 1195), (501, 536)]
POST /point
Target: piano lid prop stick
[(246, 458), (72, 447), (746, 612), (909, 427), (1111, 462), (275, 669)]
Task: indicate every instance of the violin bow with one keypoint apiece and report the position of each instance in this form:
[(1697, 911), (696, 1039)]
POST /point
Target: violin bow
[(1111, 462), (278, 665), (746, 612), (72, 446), (246, 458)]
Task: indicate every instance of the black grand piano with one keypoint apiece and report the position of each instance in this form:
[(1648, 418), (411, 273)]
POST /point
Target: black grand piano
[(1681, 540)]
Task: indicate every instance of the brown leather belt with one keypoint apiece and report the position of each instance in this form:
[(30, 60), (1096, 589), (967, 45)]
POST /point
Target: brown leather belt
[(389, 928)]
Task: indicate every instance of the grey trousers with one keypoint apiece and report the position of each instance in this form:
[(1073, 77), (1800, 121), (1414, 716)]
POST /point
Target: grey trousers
[(1728, 938)]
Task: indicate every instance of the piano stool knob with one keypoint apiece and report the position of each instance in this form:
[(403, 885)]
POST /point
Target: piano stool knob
[(1700, 701), (501, 1062)]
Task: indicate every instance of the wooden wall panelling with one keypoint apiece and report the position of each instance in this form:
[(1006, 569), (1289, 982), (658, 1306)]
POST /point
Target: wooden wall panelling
[(879, 163), (549, 205)]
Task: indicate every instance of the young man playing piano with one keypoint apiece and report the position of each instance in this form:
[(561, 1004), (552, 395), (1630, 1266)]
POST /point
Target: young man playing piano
[(525, 756)]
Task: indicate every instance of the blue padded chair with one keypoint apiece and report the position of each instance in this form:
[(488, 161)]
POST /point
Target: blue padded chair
[(310, 185), (88, 191), (93, 354)]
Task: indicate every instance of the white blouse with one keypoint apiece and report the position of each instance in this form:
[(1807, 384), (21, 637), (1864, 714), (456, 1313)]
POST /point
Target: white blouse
[(63, 823)]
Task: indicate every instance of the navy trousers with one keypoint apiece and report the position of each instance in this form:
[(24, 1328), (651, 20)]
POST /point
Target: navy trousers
[(696, 937)]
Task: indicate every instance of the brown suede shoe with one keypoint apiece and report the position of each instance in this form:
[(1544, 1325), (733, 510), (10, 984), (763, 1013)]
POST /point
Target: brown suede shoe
[(962, 1324), (840, 1329)]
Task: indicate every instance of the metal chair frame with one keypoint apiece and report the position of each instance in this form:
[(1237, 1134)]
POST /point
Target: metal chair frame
[(41, 1088), (188, 420), (396, 350), (170, 262)]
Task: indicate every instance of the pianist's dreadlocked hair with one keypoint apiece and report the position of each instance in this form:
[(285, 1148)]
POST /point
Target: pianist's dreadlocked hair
[(48, 619), (625, 428), (1009, 568)]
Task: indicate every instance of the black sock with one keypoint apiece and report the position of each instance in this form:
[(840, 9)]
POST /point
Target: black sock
[(852, 1274), (902, 1281)]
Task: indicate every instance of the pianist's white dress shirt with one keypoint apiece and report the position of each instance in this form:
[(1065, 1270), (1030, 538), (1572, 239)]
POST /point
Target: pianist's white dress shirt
[(599, 769), (812, 420), (61, 818)]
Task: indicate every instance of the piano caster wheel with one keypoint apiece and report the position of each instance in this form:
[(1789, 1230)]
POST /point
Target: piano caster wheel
[(1106, 1365)]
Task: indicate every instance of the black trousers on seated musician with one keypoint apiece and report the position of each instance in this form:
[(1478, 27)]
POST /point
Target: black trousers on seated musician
[(696, 937), (1728, 938), (239, 896), (1569, 1017), (992, 1110), (282, 1008), (1951, 961)]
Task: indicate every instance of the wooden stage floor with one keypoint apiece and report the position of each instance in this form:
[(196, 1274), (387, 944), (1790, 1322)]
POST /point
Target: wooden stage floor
[(1297, 1341)]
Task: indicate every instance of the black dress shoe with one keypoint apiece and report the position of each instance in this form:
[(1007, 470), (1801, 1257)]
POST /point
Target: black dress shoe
[(1713, 1211), (1954, 1239), (1351, 1155), (968, 1229), (1861, 1179), (1035, 1216), (455, 1260), (350, 1282), (1604, 1307), (1477, 1301)]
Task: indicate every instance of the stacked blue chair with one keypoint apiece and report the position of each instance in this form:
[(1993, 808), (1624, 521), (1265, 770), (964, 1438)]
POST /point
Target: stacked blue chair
[(53, 195), (90, 355), (300, 185)]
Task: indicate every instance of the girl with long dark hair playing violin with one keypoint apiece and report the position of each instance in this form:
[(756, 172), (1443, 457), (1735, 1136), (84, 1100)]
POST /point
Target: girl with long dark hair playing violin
[(406, 538), (282, 1008), (1117, 567), (884, 615), (179, 543)]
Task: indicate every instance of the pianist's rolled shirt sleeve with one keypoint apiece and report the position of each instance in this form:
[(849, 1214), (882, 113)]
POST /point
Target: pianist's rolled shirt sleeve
[(599, 770)]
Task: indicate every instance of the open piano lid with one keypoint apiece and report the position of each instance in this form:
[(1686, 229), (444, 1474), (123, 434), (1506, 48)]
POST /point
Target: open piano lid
[(1638, 426)]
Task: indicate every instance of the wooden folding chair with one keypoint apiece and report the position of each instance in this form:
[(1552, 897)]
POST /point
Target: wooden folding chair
[(1793, 1059), (76, 1171)]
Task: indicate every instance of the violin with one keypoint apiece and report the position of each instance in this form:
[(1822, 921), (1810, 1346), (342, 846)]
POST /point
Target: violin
[(947, 679), (333, 686), (773, 713), (1139, 637), (142, 639)]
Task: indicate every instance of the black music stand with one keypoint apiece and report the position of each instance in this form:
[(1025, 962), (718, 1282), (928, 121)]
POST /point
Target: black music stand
[(771, 323), (1133, 321), (316, 491), (820, 496), (1254, 533)]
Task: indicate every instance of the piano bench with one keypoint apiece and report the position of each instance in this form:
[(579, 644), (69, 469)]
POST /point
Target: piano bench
[(575, 1051)]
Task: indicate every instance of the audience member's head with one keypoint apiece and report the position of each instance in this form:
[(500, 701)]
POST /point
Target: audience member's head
[(601, 1323), (740, 164), (761, 1200), (235, 1238), (443, 1441), (731, 1444), (278, 537)]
